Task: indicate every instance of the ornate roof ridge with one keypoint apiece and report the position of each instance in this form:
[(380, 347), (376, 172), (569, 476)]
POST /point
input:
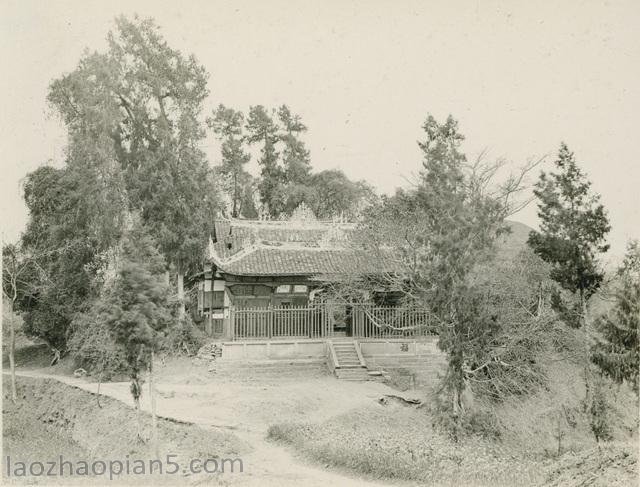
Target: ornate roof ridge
[(287, 224)]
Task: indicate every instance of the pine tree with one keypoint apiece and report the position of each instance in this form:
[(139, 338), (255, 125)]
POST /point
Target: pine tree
[(617, 350), (573, 229)]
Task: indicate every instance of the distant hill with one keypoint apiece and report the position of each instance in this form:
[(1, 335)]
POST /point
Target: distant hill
[(509, 245)]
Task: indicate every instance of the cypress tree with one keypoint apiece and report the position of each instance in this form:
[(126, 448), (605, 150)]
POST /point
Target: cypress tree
[(573, 229), (135, 306)]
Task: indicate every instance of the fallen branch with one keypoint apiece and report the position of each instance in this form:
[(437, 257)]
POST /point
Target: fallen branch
[(384, 400)]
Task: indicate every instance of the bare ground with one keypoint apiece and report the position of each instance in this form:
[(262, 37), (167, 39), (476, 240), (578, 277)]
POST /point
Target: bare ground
[(246, 406), (246, 403)]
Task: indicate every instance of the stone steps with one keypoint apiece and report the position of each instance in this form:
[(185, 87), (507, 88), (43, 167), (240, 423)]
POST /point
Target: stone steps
[(349, 366)]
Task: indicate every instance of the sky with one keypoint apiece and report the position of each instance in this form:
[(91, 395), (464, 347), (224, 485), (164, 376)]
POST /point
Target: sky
[(519, 76)]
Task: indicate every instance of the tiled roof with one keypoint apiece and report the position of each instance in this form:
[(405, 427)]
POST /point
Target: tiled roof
[(260, 248), (257, 248), (283, 261), (221, 229)]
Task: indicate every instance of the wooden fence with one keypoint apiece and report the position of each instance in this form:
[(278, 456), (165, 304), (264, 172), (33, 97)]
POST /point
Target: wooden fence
[(390, 322), (280, 322), (361, 321)]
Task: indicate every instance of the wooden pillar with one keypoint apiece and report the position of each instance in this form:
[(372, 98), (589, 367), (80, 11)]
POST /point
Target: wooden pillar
[(210, 320), (228, 323)]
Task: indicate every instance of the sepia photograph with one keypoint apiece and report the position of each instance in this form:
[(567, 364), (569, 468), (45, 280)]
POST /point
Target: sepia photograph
[(320, 243)]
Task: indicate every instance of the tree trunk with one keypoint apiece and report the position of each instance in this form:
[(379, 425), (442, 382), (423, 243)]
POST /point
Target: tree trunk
[(457, 414), (587, 349), (234, 211), (540, 301), (99, 383), (181, 308), (56, 356), (583, 308), (154, 420), (12, 354), (136, 391), (138, 420), (457, 388)]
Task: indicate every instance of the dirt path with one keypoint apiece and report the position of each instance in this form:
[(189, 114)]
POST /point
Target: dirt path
[(248, 410)]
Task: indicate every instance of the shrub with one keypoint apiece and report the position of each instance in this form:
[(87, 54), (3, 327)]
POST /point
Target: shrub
[(93, 348), (599, 410), (184, 338), (477, 419)]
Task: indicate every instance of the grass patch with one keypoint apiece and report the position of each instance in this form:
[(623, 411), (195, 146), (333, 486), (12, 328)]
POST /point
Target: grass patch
[(541, 439), (608, 465), (29, 356), (401, 443)]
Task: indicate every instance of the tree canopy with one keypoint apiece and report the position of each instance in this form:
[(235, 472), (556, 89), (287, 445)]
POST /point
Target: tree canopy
[(286, 177), (262, 130), (138, 106), (228, 125), (440, 231), (133, 114), (617, 349), (73, 222), (134, 304), (573, 227)]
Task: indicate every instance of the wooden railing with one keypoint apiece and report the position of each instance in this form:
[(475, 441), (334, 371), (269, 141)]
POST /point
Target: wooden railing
[(332, 358), (280, 323), (366, 321), (390, 322)]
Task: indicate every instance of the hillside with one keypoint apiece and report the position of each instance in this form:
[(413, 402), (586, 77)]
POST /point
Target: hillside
[(510, 244)]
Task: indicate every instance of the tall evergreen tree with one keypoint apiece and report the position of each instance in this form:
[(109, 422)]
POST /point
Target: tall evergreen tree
[(135, 305), (573, 229), (617, 350), (440, 231), (261, 129), (295, 156), (145, 99), (75, 217), (462, 225), (228, 125)]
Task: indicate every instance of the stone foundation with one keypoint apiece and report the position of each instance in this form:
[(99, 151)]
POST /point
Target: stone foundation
[(274, 350), (419, 362)]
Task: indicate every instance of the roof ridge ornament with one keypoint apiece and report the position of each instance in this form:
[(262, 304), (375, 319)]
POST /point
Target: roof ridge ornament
[(303, 214)]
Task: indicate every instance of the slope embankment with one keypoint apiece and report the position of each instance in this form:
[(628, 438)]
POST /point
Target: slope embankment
[(54, 423)]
